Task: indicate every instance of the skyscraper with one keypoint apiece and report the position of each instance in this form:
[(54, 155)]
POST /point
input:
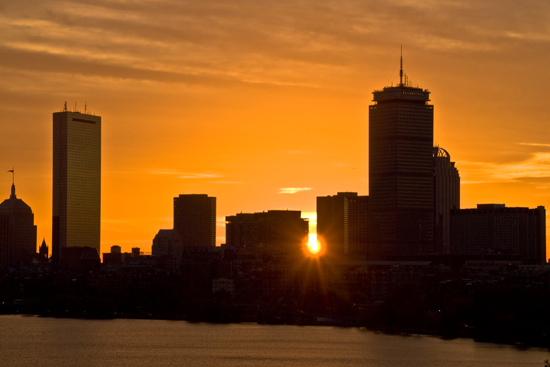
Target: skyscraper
[(446, 197), (342, 223), (76, 181), (401, 172), (195, 219)]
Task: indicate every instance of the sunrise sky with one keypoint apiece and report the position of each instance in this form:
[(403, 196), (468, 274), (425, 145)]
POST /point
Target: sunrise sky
[(264, 104)]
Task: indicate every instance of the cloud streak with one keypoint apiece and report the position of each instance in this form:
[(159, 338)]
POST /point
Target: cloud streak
[(239, 42), (293, 190), (535, 167)]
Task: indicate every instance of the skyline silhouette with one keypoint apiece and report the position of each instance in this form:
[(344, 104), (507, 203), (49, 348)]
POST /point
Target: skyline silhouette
[(269, 117)]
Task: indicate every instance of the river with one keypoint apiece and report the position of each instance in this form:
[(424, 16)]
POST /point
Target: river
[(36, 341)]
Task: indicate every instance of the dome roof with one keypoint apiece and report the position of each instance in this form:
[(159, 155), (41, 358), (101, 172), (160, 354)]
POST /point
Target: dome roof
[(13, 203)]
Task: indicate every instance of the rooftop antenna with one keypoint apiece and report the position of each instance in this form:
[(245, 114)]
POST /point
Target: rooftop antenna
[(12, 175), (65, 107), (401, 69), (85, 107), (12, 183)]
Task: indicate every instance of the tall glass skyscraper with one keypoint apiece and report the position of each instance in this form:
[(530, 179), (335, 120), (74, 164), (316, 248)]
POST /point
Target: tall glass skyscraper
[(401, 186), (76, 181)]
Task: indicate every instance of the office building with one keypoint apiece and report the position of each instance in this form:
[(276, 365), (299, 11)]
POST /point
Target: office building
[(195, 220), (76, 181), (17, 232), (446, 197), (494, 229), (342, 223), (272, 231), (401, 186), (168, 247)]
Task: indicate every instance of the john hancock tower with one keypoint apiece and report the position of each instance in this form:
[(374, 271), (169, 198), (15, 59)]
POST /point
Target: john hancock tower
[(76, 181), (401, 172)]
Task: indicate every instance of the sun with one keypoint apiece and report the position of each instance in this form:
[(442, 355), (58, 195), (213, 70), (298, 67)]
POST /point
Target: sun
[(313, 244)]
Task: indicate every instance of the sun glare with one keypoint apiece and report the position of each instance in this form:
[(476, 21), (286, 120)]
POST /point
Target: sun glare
[(313, 245)]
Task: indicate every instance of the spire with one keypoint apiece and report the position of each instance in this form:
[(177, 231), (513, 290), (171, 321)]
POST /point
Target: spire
[(401, 69), (12, 182)]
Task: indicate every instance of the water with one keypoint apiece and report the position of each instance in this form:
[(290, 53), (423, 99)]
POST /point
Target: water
[(34, 341)]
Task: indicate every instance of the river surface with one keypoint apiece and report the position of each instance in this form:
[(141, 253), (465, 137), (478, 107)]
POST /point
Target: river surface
[(36, 341)]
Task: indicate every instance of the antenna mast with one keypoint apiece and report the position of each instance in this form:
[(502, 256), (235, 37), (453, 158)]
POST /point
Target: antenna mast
[(401, 69)]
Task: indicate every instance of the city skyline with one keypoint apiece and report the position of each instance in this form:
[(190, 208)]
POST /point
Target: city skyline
[(201, 99)]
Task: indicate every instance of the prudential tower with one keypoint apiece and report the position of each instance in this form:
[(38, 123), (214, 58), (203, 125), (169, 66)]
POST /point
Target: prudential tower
[(401, 172), (76, 181)]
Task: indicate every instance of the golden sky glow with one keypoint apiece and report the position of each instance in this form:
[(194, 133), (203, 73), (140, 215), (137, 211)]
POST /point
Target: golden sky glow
[(264, 104)]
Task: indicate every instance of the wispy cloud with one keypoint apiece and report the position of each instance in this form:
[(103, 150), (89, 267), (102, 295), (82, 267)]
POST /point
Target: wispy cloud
[(293, 190), (535, 167)]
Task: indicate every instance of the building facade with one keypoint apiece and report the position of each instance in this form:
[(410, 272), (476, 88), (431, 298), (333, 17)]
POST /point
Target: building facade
[(76, 181), (401, 187), (446, 198), (271, 231), (195, 219), (342, 222), (494, 229), (17, 232)]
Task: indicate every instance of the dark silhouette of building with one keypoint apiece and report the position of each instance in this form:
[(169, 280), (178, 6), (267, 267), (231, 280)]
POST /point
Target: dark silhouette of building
[(446, 197), (271, 231), (76, 181), (79, 259), (17, 231), (401, 184), (43, 250), (495, 229), (195, 219), (342, 223), (167, 242), (167, 245)]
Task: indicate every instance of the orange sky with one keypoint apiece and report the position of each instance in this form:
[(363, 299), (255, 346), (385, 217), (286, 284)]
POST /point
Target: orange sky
[(244, 99)]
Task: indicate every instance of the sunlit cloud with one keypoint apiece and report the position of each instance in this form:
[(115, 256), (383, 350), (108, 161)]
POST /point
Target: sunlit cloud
[(293, 190), (537, 166)]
